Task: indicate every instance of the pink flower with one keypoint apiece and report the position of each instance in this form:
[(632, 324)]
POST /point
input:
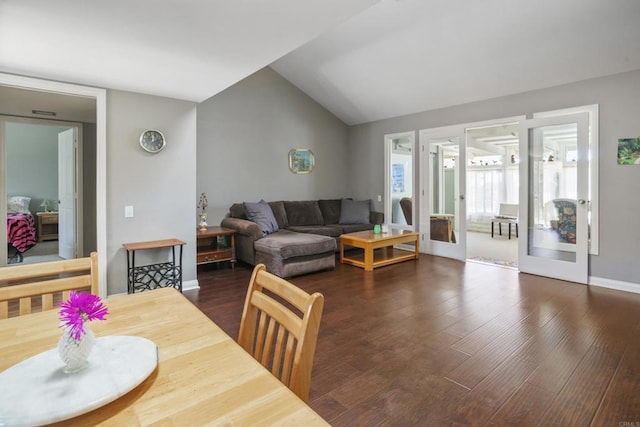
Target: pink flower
[(81, 307)]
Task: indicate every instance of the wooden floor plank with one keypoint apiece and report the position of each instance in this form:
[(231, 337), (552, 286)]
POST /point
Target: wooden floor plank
[(621, 402), (523, 408), (440, 342), (578, 401)]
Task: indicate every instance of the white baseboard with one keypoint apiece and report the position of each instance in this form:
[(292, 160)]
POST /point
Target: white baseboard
[(615, 284), (191, 284)]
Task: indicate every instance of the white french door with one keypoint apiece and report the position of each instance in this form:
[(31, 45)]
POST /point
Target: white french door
[(442, 213), (67, 193), (554, 240)]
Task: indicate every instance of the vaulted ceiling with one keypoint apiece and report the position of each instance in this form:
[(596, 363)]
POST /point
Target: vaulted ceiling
[(363, 60), (404, 56)]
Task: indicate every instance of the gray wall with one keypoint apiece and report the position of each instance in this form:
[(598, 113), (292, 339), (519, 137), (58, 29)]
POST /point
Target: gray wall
[(161, 187), (619, 100), (244, 137), (32, 166)]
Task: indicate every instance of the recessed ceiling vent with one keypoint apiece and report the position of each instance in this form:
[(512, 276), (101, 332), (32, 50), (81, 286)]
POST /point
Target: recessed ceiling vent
[(44, 113)]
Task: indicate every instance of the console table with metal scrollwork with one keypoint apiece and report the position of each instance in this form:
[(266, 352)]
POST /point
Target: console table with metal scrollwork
[(152, 276)]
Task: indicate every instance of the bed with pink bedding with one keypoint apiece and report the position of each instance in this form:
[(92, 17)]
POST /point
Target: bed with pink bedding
[(21, 233)]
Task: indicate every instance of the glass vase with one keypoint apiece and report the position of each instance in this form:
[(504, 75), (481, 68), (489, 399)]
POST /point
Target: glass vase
[(74, 353), (203, 221)]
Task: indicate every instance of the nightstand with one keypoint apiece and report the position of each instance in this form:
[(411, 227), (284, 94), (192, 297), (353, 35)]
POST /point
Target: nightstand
[(47, 226)]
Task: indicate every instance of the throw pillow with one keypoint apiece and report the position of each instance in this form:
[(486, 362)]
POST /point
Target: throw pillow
[(355, 211), (279, 213), (237, 210), (16, 204), (261, 214), (303, 213), (330, 210)]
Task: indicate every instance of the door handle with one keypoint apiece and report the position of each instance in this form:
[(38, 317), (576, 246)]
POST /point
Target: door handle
[(582, 201), (462, 197)]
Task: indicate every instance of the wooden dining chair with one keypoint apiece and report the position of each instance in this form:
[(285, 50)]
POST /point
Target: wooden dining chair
[(23, 282), (281, 339)]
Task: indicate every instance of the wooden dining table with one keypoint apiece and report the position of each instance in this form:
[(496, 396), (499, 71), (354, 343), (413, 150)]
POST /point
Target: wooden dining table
[(203, 376)]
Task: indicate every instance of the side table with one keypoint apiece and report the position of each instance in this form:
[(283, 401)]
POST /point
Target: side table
[(216, 244), (47, 226), (152, 276)]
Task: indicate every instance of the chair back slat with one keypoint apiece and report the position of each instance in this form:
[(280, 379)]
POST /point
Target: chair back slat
[(279, 328), (44, 280)]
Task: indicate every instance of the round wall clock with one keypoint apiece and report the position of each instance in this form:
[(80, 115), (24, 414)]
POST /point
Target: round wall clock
[(152, 140)]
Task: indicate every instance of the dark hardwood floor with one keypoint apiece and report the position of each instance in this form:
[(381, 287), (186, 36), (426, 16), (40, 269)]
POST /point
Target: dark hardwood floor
[(441, 342)]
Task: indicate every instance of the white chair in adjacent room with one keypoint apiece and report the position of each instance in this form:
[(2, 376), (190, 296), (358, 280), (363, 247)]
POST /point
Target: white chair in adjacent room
[(508, 215)]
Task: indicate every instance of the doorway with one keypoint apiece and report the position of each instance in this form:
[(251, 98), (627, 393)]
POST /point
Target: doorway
[(399, 180), (43, 164), (67, 97), (38, 171), (493, 158)]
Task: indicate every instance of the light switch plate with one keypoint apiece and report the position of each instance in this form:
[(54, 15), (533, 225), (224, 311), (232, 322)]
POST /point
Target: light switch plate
[(128, 211)]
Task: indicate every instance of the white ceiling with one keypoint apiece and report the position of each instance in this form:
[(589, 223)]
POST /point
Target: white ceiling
[(404, 56), (363, 60), (184, 49)]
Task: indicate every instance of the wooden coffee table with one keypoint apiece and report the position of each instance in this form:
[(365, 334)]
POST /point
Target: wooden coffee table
[(370, 241)]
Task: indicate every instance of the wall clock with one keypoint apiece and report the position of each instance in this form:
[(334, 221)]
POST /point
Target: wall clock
[(152, 141)]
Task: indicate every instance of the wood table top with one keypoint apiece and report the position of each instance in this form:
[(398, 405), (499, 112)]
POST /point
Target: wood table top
[(153, 244), (203, 375), (215, 231), (370, 236)]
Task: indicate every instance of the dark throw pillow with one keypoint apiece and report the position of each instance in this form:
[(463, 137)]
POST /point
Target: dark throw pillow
[(330, 210), (261, 214), (355, 211), (303, 213)]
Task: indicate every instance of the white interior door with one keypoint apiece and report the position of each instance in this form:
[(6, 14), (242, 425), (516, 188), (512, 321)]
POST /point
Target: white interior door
[(442, 213), (67, 199), (554, 239)]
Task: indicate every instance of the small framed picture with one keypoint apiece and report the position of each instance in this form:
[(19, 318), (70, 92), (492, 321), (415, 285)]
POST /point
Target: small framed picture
[(301, 160), (629, 151)]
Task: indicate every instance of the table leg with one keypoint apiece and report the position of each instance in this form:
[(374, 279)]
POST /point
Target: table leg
[(368, 258)]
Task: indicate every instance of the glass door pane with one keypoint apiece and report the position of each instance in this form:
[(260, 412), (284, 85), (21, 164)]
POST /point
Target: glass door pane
[(554, 206), (553, 193), (444, 189)]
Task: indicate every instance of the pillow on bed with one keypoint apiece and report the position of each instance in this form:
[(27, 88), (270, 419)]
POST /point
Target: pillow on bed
[(17, 204)]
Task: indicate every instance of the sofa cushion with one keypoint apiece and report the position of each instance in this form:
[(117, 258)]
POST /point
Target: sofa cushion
[(261, 214), (303, 213), (323, 230), (279, 213), (288, 244), (330, 210), (354, 211)]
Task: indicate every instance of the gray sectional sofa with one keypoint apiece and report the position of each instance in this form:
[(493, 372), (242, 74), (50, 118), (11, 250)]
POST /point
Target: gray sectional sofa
[(301, 236)]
